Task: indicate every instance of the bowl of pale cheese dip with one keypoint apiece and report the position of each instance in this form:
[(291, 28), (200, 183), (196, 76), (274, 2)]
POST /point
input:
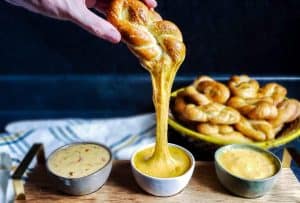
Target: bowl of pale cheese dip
[(160, 180), (80, 168), (246, 170)]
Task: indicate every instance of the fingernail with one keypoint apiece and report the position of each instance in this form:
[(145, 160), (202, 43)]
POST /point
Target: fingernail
[(154, 3), (113, 36)]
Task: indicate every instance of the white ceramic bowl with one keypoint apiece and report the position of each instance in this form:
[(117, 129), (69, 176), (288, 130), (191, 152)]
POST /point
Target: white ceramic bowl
[(163, 186)]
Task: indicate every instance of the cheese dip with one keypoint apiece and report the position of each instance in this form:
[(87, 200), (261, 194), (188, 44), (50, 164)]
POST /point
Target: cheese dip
[(248, 163), (142, 162), (78, 160)]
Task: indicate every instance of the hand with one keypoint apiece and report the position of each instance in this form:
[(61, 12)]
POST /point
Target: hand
[(77, 11)]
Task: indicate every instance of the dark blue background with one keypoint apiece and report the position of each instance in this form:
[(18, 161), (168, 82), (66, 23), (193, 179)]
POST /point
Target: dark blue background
[(242, 36), (51, 69)]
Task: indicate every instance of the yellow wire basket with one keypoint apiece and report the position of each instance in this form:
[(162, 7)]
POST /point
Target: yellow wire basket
[(290, 132)]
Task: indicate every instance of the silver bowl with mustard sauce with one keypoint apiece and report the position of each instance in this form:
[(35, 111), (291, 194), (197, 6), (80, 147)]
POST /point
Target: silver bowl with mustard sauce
[(79, 168), (247, 170)]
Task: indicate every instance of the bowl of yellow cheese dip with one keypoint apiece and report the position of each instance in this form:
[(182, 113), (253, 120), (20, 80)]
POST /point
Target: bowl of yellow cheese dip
[(247, 170), (157, 179), (80, 168)]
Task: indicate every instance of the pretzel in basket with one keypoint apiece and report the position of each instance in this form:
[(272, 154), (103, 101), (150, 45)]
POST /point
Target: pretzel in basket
[(221, 131), (273, 90), (213, 112), (215, 91), (288, 110), (156, 42), (191, 94), (258, 130), (243, 86), (254, 108)]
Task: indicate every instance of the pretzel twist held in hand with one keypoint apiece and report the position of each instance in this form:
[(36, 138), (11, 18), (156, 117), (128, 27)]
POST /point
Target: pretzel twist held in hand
[(156, 42)]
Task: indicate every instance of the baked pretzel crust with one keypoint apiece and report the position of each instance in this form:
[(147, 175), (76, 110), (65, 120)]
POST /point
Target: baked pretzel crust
[(156, 42)]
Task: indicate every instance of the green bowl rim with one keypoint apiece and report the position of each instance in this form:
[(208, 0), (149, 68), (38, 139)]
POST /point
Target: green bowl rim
[(219, 151)]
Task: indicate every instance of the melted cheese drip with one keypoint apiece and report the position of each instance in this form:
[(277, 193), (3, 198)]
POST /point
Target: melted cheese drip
[(248, 163), (78, 160), (163, 161), (144, 162)]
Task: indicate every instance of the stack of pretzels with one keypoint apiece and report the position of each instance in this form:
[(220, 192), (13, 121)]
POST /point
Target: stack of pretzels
[(241, 111)]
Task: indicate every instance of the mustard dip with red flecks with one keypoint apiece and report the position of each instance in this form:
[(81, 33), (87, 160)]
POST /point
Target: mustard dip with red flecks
[(78, 160)]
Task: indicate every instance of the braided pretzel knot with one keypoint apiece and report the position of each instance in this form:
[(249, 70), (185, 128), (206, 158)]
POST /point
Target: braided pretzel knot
[(214, 113), (254, 108), (156, 42), (288, 110), (191, 94), (225, 132), (256, 129), (243, 86), (213, 90), (273, 90)]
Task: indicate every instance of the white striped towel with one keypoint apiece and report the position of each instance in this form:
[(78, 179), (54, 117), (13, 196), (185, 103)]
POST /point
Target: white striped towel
[(122, 135)]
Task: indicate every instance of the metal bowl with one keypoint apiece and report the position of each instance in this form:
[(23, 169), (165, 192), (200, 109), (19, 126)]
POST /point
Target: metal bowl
[(82, 185), (246, 187)]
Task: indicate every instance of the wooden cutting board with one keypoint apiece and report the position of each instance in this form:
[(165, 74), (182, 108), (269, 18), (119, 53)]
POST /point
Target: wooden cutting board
[(121, 187)]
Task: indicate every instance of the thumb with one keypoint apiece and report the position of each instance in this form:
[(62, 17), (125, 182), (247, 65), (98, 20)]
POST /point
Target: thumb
[(96, 25)]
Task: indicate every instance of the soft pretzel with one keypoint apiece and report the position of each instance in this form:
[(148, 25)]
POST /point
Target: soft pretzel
[(254, 108), (277, 129), (222, 131), (214, 113), (202, 78), (188, 95), (258, 130), (288, 110), (215, 91), (243, 86), (273, 90), (156, 42), (193, 96)]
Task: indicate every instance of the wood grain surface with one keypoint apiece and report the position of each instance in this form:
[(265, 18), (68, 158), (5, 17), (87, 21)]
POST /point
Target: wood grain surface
[(121, 187)]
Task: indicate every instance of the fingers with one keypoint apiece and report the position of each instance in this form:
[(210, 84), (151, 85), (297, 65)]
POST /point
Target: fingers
[(90, 3), (150, 3), (102, 5), (96, 25)]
